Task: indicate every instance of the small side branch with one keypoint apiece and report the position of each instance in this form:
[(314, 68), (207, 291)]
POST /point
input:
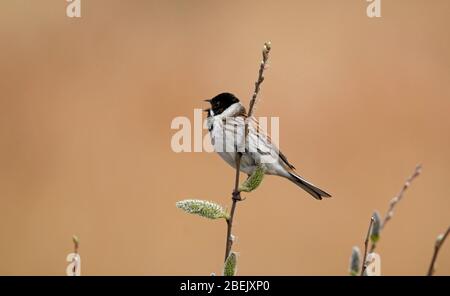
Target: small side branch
[(394, 202), (366, 245), (399, 196), (439, 242)]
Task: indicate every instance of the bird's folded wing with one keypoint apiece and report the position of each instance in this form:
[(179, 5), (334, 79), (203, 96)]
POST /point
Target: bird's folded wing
[(257, 135)]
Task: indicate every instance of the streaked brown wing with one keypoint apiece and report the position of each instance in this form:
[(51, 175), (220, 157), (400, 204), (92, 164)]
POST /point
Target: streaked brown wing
[(263, 133)]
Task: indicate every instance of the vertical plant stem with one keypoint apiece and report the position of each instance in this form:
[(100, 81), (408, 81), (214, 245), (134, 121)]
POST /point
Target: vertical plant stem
[(262, 66), (235, 198), (366, 245), (236, 194)]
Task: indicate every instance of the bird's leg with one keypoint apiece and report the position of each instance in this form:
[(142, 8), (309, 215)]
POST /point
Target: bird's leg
[(236, 195)]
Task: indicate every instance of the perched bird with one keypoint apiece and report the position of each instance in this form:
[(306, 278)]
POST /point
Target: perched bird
[(226, 125)]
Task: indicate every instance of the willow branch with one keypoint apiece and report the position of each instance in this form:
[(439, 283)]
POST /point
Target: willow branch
[(236, 196), (262, 67), (366, 245), (439, 242), (399, 196), (397, 199)]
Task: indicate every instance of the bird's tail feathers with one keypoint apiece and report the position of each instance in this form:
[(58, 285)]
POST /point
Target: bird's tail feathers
[(316, 192)]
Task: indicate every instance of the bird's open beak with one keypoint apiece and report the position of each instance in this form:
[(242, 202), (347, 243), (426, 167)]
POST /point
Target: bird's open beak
[(209, 101)]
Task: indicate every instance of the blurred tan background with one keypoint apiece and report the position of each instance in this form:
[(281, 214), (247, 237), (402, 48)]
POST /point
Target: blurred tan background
[(85, 112)]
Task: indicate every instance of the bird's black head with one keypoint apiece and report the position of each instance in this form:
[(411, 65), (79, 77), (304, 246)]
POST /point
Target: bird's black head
[(221, 102)]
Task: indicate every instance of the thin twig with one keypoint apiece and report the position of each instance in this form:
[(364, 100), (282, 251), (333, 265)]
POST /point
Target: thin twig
[(397, 198), (262, 67), (366, 245), (437, 247), (236, 196)]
